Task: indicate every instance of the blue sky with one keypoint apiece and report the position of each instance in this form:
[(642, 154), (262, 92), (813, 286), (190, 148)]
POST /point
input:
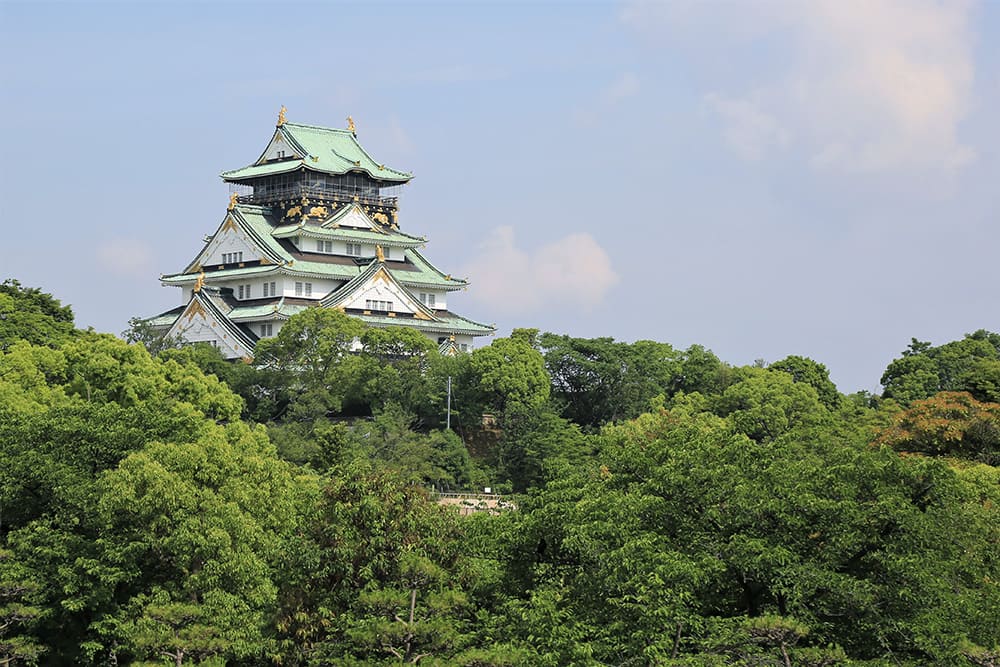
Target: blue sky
[(764, 178)]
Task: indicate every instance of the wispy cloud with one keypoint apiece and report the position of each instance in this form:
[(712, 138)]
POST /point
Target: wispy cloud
[(571, 272), (869, 85), (607, 99), (127, 258), (748, 129)]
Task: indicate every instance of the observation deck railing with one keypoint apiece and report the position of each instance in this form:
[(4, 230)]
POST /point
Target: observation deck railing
[(318, 192)]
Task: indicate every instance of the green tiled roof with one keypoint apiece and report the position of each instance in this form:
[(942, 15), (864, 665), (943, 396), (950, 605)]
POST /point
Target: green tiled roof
[(166, 319), (326, 150), (446, 322), (255, 221), (390, 238), (281, 309), (267, 169), (426, 274), (336, 298), (189, 276)]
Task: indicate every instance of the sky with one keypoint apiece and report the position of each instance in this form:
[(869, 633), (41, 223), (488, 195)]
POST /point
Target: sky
[(760, 177)]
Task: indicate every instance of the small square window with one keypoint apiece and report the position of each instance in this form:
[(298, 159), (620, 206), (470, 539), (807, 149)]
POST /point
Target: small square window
[(309, 289), (298, 289)]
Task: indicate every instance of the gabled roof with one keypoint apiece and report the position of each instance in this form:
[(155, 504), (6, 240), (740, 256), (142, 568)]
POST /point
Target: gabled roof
[(322, 149), (371, 230), (374, 271), (212, 306), (384, 239), (250, 220), (429, 275)]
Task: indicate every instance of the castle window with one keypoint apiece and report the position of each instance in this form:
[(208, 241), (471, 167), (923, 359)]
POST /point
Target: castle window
[(232, 257), (266, 329), (374, 304), (269, 289), (354, 249), (309, 289), (324, 246), (427, 299)]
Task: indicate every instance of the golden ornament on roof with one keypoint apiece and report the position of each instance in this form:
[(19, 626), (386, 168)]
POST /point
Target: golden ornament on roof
[(199, 282), (379, 255), (232, 201), (350, 125), (281, 115)]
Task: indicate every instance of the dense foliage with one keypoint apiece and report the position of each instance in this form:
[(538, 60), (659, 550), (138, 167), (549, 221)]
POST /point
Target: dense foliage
[(664, 508)]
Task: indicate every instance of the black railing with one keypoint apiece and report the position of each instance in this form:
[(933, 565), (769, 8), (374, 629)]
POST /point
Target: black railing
[(317, 192)]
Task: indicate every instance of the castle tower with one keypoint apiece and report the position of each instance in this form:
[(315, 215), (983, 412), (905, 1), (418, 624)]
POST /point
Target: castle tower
[(313, 222)]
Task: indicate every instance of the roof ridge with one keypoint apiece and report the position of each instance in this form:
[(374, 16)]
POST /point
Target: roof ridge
[(319, 127)]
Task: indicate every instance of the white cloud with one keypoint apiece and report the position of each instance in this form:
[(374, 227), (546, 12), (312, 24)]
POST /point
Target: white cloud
[(607, 100), (623, 87), (868, 85), (125, 257), (571, 272), (748, 129)]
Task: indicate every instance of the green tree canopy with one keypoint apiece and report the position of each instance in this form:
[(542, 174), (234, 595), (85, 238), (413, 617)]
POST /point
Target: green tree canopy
[(510, 374), (812, 373), (962, 365), (308, 367), (29, 314)]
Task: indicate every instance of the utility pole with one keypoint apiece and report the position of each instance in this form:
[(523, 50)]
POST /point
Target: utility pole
[(449, 404)]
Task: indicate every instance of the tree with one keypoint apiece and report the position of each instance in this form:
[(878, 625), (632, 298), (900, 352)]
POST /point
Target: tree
[(17, 614), (601, 381), (28, 314), (924, 370), (215, 515), (949, 424), (510, 374), (308, 367), (686, 542), (766, 404), (372, 541), (803, 369), (140, 331), (174, 630)]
